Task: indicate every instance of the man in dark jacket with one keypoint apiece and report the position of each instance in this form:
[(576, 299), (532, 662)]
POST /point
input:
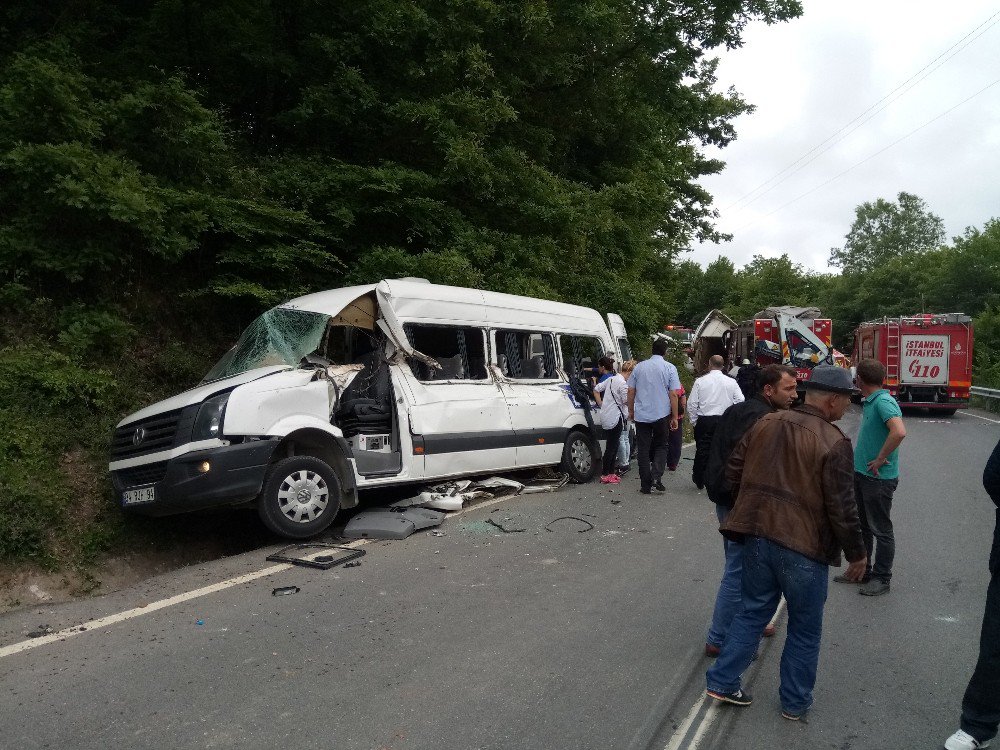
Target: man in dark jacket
[(793, 477), (775, 390), (746, 377), (981, 704)]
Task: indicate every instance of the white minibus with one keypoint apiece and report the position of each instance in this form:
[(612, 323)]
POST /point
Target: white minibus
[(398, 382)]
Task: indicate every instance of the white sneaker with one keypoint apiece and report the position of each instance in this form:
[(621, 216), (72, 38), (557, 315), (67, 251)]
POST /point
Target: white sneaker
[(964, 741)]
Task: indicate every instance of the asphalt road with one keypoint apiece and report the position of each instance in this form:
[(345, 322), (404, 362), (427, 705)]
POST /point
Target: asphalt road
[(561, 638)]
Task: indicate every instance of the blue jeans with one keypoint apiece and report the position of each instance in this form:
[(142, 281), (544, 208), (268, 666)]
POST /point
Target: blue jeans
[(623, 448), (770, 570), (729, 600)]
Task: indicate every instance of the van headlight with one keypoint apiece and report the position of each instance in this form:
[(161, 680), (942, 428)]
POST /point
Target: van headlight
[(208, 423)]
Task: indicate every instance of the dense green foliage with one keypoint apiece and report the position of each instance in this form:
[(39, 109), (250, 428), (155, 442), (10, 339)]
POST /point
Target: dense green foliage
[(169, 169)]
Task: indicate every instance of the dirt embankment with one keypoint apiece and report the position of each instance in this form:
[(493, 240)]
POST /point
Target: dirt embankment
[(153, 546)]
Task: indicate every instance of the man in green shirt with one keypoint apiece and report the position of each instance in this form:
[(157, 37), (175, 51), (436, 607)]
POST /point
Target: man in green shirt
[(876, 473)]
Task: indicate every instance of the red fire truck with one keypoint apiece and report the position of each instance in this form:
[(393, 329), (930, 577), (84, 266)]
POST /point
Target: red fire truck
[(927, 358), (795, 336)]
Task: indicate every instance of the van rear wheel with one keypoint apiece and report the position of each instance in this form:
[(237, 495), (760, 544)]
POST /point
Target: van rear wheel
[(580, 457), (301, 497)]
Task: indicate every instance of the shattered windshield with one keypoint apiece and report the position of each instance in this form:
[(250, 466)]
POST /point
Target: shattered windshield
[(281, 336)]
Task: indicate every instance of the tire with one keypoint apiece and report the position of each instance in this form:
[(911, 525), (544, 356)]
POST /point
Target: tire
[(300, 498), (947, 412), (580, 457)]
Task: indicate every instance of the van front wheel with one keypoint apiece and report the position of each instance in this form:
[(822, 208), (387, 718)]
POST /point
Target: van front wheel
[(301, 497), (580, 457)]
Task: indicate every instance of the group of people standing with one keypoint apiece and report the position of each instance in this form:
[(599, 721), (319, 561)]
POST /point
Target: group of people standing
[(792, 495), (656, 414)]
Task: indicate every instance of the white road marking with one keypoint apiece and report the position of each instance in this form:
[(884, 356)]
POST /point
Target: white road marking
[(987, 419), (677, 740), (130, 614)]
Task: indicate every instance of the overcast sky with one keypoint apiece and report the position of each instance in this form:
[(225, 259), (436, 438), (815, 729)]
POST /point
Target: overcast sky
[(811, 77)]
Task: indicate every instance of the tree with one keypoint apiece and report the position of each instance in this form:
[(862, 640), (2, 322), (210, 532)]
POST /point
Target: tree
[(967, 275), (883, 230), (699, 294), (766, 282)]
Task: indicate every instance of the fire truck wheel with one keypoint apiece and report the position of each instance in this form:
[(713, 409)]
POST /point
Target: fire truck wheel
[(947, 412)]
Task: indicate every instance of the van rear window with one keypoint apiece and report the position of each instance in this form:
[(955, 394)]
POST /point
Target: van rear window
[(526, 355), (461, 352)]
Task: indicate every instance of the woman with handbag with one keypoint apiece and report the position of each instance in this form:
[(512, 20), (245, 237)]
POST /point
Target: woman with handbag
[(625, 445), (612, 394)]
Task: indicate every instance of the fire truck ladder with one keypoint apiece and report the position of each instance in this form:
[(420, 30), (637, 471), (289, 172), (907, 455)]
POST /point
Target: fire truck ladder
[(892, 351)]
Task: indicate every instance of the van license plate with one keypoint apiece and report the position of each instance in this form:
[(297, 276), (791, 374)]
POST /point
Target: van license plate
[(139, 496)]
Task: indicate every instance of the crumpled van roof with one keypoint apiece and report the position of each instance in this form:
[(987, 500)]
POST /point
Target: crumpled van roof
[(419, 300)]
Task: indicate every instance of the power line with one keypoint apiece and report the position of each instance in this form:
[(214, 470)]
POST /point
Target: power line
[(869, 157), (874, 109)]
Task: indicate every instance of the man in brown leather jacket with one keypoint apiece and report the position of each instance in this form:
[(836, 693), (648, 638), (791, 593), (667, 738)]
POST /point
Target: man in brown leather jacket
[(793, 478)]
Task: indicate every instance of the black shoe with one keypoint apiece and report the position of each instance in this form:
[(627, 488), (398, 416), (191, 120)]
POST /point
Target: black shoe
[(792, 716), (623, 470), (659, 486), (645, 491), (739, 698), (874, 587)]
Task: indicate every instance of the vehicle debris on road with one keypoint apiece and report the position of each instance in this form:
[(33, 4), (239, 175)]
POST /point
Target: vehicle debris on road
[(590, 526), (305, 555), (391, 523)]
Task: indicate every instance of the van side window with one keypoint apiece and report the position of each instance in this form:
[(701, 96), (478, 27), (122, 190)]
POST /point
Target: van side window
[(523, 355), (580, 353), (461, 352)]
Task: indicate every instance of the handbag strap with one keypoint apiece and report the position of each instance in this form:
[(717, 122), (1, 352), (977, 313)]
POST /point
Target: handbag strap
[(620, 410)]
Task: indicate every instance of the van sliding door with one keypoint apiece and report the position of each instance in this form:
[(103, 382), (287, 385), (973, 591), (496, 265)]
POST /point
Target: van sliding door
[(459, 420), (536, 396)]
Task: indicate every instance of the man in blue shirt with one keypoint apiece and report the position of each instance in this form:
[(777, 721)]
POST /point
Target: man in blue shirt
[(653, 388), (876, 473)]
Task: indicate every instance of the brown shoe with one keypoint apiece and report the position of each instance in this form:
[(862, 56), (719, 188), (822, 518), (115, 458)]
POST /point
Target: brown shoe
[(769, 631), (712, 651)]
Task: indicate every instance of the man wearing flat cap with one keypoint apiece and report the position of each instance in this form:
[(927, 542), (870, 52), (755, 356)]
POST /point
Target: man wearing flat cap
[(793, 478)]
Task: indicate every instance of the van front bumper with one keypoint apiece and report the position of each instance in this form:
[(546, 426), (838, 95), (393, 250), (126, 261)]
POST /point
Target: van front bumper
[(235, 476)]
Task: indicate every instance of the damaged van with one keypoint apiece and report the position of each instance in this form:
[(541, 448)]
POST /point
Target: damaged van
[(391, 383)]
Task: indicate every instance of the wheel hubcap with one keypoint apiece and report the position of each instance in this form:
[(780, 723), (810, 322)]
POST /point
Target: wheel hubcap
[(303, 496), (580, 456)]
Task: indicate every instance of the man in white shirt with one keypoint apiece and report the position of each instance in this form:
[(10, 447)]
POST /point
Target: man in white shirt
[(712, 394)]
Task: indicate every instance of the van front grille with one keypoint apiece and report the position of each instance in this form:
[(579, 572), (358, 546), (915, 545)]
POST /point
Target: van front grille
[(145, 436)]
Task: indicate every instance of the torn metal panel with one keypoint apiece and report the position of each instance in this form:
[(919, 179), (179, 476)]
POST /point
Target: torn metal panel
[(338, 377), (391, 326), (545, 485)]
